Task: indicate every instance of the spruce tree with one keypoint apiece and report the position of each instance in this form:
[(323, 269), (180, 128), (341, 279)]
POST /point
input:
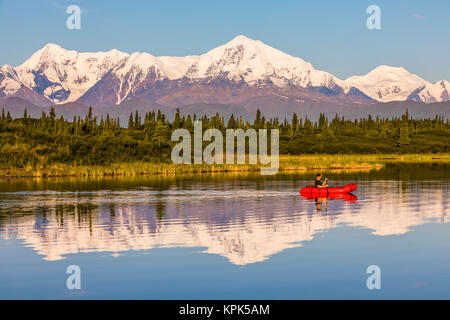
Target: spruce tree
[(130, 121)]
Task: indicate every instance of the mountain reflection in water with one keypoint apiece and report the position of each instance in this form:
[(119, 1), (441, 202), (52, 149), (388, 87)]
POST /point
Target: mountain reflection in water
[(245, 221)]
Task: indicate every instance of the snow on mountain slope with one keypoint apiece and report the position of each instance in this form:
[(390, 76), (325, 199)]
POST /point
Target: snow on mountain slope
[(432, 92), (64, 75), (386, 83), (137, 69), (12, 86), (177, 67), (9, 81)]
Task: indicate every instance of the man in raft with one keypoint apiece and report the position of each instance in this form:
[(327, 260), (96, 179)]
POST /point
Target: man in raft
[(319, 184)]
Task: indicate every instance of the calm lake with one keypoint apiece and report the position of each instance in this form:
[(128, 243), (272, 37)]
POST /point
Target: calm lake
[(227, 237)]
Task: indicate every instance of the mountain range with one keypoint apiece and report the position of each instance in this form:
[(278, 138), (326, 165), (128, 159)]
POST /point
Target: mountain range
[(239, 76)]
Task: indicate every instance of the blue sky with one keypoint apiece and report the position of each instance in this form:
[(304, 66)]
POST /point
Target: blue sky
[(332, 35)]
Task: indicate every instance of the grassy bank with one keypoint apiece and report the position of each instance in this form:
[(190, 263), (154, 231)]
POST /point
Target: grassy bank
[(287, 163)]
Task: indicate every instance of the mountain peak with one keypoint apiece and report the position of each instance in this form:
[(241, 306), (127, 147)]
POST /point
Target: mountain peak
[(52, 46), (251, 61), (6, 68), (56, 51), (51, 49), (386, 83), (242, 40), (385, 68), (49, 52)]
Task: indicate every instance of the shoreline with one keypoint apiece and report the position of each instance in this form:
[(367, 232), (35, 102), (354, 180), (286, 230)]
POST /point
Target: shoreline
[(287, 163)]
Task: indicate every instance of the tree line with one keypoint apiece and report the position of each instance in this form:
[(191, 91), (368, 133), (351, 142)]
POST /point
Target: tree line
[(88, 140)]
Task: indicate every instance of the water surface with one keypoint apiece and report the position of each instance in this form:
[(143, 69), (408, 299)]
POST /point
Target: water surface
[(221, 236)]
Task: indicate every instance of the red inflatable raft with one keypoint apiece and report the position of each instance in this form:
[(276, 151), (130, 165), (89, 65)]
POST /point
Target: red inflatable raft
[(334, 196), (323, 192)]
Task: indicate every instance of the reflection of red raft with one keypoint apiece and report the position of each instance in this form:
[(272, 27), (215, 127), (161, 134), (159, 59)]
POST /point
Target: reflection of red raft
[(333, 196), (314, 192)]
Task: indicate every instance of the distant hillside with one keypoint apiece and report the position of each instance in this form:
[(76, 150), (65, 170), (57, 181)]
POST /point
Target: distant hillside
[(268, 107)]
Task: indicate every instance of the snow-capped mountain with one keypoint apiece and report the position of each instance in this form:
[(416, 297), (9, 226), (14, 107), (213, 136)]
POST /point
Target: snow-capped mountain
[(11, 85), (61, 75), (9, 80), (253, 62), (387, 84), (432, 92), (138, 73), (54, 75)]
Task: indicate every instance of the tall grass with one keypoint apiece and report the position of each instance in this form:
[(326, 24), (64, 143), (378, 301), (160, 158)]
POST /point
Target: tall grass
[(287, 163)]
